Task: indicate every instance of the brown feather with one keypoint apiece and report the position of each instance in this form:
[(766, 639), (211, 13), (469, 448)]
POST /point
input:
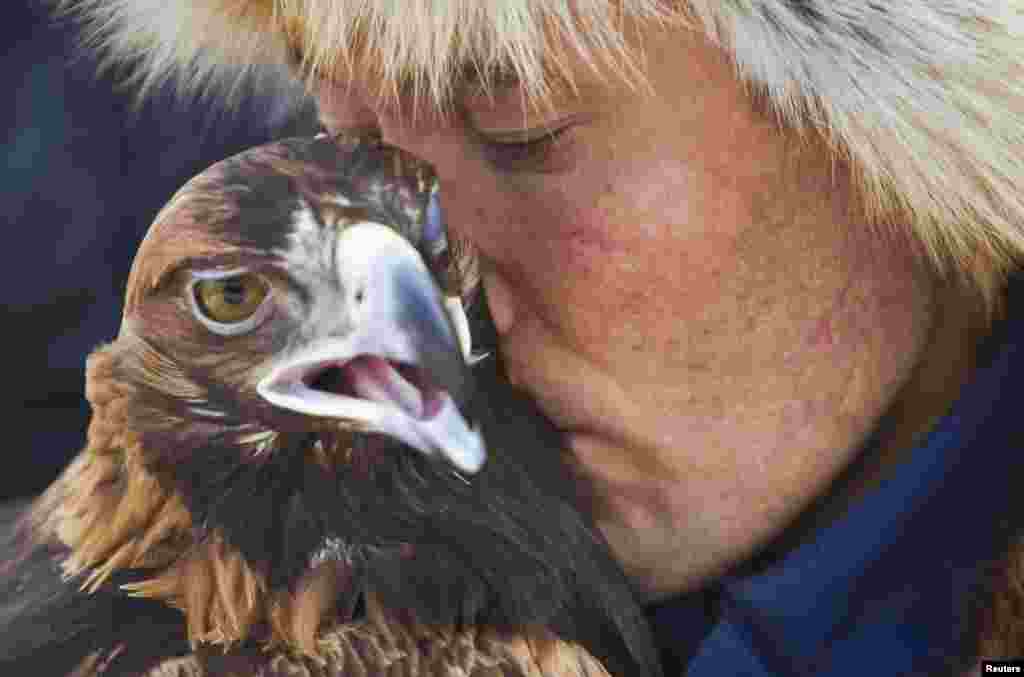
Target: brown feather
[(112, 513), (107, 507), (383, 646)]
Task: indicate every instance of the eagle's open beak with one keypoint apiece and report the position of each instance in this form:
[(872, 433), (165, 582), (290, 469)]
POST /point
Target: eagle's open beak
[(394, 362)]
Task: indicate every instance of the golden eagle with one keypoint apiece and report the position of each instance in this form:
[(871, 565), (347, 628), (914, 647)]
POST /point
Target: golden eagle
[(291, 467)]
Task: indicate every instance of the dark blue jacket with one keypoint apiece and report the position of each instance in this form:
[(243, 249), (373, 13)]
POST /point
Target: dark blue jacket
[(894, 586)]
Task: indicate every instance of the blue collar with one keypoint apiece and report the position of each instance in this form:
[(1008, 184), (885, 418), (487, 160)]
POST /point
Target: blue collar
[(893, 586)]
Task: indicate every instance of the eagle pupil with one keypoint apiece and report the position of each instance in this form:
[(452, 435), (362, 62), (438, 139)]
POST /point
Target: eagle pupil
[(234, 292)]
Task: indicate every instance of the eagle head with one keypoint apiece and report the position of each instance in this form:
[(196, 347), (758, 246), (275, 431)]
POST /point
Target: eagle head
[(297, 288)]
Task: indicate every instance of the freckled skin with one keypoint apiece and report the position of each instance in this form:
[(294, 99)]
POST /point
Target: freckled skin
[(690, 291)]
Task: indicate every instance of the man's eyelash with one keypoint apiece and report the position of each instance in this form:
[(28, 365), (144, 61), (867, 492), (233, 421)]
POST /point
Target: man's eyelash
[(526, 155)]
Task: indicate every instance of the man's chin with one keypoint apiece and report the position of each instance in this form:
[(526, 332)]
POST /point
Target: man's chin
[(661, 564), (643, 516)]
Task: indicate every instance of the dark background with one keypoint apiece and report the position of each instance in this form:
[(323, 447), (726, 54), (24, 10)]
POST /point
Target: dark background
[(85, 172)]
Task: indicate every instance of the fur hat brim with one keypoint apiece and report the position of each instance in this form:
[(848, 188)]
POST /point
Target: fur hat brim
[(924, 99)]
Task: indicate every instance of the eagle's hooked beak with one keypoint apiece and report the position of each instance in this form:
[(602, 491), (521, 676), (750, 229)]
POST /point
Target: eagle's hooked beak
[(395, 363)]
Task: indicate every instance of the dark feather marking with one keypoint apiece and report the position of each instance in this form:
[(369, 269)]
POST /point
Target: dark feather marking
[(266, 188), (47, 625)]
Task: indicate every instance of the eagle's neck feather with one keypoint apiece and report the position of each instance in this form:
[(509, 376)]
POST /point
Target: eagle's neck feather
[(112, 514)]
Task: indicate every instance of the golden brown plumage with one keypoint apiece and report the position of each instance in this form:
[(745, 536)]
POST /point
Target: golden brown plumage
[(244, 504), (382, 645)]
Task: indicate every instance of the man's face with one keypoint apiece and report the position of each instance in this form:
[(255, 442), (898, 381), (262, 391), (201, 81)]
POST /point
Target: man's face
[(686, 290)]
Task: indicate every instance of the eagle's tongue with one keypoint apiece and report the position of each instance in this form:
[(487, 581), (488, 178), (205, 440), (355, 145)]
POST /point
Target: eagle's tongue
[(373, 378)]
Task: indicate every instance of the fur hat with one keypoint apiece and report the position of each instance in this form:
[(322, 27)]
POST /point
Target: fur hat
[(924, 98)]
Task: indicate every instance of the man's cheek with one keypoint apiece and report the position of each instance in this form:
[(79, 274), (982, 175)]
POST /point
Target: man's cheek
[(615, 298), (614, 256), (650, 262)]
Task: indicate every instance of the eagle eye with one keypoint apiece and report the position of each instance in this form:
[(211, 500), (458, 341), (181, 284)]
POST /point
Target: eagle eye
[(229, 303)]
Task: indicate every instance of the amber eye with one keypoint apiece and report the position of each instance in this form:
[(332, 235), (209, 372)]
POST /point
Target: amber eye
[(229, 303)]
